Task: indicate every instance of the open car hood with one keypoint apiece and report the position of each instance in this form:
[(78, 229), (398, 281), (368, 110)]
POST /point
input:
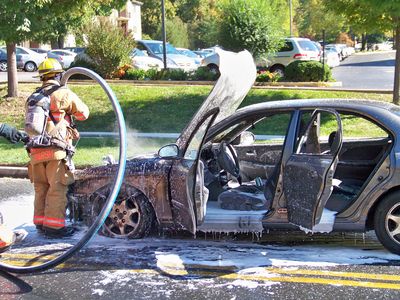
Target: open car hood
[(238, 73)]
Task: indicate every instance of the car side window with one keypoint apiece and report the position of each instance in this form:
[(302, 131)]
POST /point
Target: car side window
[(20, 51), (271, 129), (355, 126), (317, 133), (287, 47)]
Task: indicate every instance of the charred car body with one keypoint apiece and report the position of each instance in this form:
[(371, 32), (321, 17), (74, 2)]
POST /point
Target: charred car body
[(303, 171)]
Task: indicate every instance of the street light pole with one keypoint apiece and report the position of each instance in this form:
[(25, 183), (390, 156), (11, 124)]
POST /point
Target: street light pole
[(290, 17), (164, 34)]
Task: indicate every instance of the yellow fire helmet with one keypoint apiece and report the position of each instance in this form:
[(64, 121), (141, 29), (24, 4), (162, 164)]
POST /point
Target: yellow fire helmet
[(49, 66)]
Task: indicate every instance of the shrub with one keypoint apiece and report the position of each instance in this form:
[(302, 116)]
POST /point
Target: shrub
[(108, 47), (203, 73), (173, 74), (307, 71), (267, 76), (134, 74)]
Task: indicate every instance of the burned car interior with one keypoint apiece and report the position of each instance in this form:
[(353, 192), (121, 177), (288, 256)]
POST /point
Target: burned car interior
[(242, 173)]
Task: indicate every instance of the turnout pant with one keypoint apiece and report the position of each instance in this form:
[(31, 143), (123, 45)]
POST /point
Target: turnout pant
[(50, 180)]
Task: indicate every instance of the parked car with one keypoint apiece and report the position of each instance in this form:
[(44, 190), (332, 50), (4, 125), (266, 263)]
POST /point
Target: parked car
[(293, 49), (31, 59), (76, 50), (40, 50), (144, 62), (189, 53), (67, 57), (305, 172), (3, 61), (202, 53), (174, 58)]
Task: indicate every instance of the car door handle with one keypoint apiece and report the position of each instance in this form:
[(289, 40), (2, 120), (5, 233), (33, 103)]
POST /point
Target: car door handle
[(251, 153)]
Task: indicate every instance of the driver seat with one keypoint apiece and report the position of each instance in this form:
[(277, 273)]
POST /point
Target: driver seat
[(251, 196)]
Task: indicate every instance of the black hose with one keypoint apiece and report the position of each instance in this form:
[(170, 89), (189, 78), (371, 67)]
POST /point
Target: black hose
[(116, 185)]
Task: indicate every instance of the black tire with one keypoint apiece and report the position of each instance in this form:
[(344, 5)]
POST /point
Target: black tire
[(214, 69), (387, 222), (30, 66), (3, 66), (132, 215), (278, 69)]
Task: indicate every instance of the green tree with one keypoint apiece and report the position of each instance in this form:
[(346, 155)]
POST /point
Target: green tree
[(251, 25), (312, 17), (374, 16), (36, 20), (177, 32), (151, 15)]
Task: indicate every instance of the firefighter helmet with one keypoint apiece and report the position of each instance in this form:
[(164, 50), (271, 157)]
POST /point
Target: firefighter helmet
[(50, 66)]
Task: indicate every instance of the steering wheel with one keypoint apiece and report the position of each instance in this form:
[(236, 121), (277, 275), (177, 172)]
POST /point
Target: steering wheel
[(228, 160)]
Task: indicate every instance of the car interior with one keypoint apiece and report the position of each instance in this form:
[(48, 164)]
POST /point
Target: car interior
[(241, 172)]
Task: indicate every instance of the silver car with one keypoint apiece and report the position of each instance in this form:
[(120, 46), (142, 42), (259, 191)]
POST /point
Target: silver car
[(30, 59)]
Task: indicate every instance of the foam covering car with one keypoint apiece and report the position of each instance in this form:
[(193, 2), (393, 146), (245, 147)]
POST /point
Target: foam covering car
[(277, 165)]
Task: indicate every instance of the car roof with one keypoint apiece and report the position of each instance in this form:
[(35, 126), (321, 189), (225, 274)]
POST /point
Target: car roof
[(387, 114), (335, 103)]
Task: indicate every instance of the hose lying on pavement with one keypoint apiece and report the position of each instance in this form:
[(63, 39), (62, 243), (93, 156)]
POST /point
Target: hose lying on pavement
[(116, 185)]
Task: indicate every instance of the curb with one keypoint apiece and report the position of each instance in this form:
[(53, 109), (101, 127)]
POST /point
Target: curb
[(16, 172)]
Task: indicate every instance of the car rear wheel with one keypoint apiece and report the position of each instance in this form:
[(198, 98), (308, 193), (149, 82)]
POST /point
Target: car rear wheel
[(387, 222), (30, 66), (280, 70), (132, 215), (3, 66)]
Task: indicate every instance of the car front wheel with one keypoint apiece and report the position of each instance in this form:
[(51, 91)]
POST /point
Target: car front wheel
[(30, 66), (387, 222), (132, 215), (3, 66)]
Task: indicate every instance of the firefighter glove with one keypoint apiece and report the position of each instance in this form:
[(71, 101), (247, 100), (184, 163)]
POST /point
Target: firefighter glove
[(12, 134)]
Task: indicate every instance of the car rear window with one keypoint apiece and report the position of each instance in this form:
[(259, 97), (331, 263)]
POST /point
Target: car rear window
[(307, 46)]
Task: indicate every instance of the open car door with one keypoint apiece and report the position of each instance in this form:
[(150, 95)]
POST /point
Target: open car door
[(308, 173), (188, 195)]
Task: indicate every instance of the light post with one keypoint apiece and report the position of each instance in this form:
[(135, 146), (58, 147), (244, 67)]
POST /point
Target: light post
[(164, 34), (290, 17)]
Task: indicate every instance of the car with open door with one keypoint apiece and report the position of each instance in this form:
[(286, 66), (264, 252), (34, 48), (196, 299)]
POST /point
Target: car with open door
[(292, 165)]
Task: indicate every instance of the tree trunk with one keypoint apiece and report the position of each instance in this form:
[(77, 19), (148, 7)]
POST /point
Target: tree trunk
[(60, 41), (12, 71), (396, 86), (363, 42)]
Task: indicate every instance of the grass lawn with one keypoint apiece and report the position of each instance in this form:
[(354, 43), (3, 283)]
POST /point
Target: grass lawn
[(146, 109)]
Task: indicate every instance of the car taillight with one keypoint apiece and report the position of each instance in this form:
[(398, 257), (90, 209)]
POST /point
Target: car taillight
[(299, 55)]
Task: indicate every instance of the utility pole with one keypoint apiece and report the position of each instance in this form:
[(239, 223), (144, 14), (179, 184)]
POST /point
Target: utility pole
[(290, 17), (164, 34)]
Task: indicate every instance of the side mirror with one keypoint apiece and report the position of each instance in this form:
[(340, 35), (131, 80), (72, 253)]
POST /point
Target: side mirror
[(170, 150)]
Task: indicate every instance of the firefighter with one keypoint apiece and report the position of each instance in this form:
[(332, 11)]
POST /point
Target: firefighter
[(11, 133), (49, 169)]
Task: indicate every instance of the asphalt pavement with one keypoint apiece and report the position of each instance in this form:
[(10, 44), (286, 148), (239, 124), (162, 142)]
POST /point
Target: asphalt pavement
[(22, 76), (275, 265), (370, 70)]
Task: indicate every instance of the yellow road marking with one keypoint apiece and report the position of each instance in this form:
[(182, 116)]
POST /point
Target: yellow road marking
[(215, 271)]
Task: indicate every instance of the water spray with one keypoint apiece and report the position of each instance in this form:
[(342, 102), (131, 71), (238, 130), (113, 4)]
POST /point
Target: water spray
[(116, 184)]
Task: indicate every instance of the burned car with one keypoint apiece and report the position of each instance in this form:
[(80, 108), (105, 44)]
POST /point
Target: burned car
[(275, 165)]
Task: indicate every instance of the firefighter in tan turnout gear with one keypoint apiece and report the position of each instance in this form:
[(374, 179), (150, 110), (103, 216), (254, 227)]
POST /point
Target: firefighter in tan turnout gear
[(50, 152)]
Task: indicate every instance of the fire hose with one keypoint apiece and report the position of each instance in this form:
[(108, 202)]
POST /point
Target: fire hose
[(116, 184)]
